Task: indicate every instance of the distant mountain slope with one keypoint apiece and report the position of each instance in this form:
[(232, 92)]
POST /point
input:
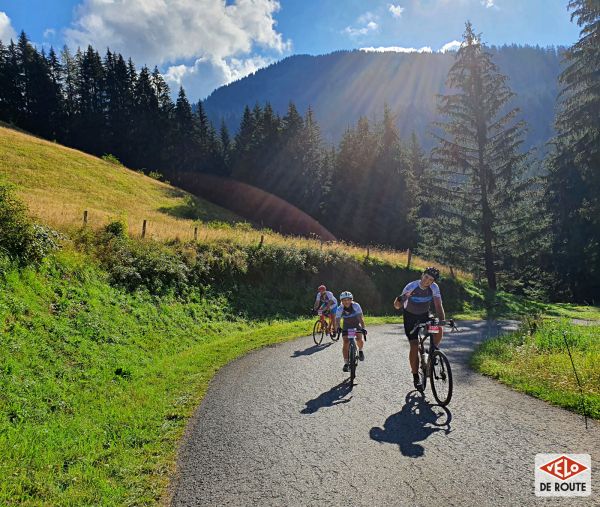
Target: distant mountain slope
[(345, 85)]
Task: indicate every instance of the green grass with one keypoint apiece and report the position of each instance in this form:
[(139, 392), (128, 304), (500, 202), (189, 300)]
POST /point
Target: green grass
[(96, 384), (480, 304), (538, 363)]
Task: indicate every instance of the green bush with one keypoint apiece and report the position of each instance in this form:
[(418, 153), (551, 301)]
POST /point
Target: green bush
[(20, 238), (116, 228), (143, 265), (111, 159)]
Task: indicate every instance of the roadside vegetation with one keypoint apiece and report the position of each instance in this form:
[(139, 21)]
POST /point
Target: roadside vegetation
[(535, 360)]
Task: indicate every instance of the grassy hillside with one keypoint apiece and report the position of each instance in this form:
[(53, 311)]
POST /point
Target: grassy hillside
[(59, 183)]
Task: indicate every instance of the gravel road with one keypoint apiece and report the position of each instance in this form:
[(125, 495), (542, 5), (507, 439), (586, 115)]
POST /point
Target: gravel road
[(281, 427)]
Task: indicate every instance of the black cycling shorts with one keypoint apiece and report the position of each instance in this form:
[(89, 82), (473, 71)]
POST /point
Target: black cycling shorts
[(410, 321)]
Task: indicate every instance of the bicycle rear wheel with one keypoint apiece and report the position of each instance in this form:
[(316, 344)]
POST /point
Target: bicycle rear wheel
[(319, 330), (336, 336), (352, 359), (440, 375)]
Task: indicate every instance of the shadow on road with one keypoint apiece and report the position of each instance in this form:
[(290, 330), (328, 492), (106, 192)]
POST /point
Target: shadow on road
[(414, 423), (334, 396), (313, 349)]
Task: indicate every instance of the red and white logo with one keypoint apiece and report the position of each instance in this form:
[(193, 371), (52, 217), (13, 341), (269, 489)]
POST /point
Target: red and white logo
[(563, 475), (563, 468)]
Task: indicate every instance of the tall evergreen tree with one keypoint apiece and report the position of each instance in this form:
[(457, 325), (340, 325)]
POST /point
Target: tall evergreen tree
[(89, 126), (183, 144), (70, 79), (478, 163), (244, 147), (11, 92), (224, 166), (315, 181), (574, 165)]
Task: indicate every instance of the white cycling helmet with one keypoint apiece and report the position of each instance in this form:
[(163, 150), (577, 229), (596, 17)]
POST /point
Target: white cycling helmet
[(346, 294)]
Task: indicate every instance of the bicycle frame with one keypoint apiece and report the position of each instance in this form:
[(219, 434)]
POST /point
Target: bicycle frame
[(427, 330)]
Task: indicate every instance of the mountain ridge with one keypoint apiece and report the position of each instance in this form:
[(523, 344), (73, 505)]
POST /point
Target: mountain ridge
[(344, 85)]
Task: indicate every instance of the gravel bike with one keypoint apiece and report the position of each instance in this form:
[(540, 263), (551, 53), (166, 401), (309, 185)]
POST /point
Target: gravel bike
[(433, 362), (353, 350), (321, 327)]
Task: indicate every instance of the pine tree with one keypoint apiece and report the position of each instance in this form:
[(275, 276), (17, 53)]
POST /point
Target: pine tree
[(478, 164), (242, 154), (224, 167), (573, 196), (183, 144), (89, 130), (392, 203), (69, 91), (164, 120), (315, 184), (11, 94)]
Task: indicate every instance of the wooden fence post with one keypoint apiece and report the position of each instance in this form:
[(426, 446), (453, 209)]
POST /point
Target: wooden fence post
[(196, 233), (409, 259), (85, 218), (452, 272), (368, 252), (262, 240), (144, 229)]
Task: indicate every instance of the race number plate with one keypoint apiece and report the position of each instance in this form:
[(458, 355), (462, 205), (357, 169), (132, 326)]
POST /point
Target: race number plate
[(352, 333), (320, 312), (434, 329)]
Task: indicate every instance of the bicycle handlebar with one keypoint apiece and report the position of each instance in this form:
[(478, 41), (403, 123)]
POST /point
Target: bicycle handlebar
[(449, 322)]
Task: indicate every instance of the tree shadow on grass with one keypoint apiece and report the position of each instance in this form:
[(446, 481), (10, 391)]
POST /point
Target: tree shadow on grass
[(191, 209), (335, 396), (414, 423)]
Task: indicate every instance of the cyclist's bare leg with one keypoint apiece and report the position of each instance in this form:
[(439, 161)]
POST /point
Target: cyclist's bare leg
[(331, 323), (438, 337), (346, 349), (359, 341), (413, 355)]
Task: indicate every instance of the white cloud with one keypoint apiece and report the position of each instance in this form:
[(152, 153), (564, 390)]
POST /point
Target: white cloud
[(206, 74), (450, 46), (368, 22), (157, 31), (396, 10), (7, 32), (397, 49), (366, 17), (488, 4), (223, 36), (49, 32)]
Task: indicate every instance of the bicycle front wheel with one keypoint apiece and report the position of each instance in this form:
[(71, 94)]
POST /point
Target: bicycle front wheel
[(319, 330), (352, 360), (440, 375)]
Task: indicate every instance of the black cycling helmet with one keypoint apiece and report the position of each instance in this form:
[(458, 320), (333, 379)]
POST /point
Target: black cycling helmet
[(432, 271)]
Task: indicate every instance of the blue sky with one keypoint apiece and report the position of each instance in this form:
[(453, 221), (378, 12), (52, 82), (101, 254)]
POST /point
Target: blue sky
[(205, 43)]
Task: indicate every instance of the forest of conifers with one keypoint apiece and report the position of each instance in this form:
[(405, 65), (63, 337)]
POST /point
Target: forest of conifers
[(479, 200)]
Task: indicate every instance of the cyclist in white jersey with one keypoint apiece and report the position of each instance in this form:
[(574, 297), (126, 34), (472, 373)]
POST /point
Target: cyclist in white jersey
[(416, 299), (353, 317), (326, 301)]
